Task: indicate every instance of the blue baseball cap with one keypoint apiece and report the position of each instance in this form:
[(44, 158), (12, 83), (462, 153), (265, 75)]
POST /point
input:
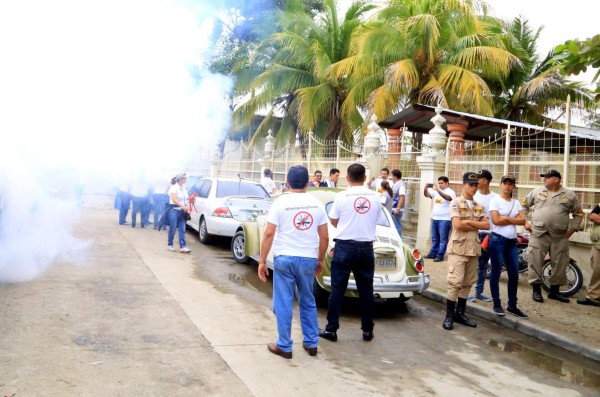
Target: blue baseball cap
[(297, 177)]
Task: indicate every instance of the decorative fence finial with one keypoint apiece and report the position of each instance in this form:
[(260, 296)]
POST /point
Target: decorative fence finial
[(437, 135)]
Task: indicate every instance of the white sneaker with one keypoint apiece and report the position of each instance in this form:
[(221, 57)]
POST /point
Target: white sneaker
[(171, 248), (185, 250)]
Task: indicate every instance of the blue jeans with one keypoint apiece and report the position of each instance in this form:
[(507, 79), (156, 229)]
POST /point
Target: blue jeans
[(398, 221), (482, 266), (125, 199), (289, 273), (356, 257), (504, 251), (440, 231), (176, 220), (160, 200), (139, 205)]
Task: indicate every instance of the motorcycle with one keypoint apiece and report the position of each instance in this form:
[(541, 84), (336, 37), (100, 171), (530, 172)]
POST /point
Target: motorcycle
[(574, 279)]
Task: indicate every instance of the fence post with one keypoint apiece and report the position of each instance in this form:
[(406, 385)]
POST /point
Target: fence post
[(565, 175), (507, 150), (337, 153), (310, 134)]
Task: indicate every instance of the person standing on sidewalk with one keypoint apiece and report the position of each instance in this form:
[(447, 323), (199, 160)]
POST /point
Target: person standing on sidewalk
[(441, 194), (468, 217), (399, 190), (593, 293), (354, 213), (178, 201), (483, 196), (297, 231), (506, 213), (550, 229)]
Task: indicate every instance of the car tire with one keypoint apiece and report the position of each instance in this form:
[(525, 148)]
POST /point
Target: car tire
[(203, 235), (238, 247), (321, 294)]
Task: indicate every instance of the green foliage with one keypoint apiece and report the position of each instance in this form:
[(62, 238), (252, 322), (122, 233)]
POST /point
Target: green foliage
[(576, 56)]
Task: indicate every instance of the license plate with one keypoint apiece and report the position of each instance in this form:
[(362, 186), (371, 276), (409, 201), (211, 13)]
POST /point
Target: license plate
[(385, 263)]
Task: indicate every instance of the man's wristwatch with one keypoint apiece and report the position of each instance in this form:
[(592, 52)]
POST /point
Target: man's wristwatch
[(261, 262)]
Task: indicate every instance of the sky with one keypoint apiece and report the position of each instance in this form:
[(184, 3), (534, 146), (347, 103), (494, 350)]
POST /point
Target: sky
[(562, 21)]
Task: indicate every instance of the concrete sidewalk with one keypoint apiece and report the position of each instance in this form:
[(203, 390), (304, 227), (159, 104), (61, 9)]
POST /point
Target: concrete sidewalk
[(570, 326)]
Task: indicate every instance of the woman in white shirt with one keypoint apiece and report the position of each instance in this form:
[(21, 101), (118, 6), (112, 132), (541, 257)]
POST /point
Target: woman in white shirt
[(178, 210), (386, 196), (506, 213)]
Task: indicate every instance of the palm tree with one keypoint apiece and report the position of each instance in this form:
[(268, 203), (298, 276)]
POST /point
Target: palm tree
[(536, 87), (425, 51), (288, 74)]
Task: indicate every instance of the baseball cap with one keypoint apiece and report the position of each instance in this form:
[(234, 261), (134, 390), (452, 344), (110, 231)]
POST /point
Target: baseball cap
[(471, 178), (508, 178), (180, 176), (485, 174), (297, 177), (551, 173)]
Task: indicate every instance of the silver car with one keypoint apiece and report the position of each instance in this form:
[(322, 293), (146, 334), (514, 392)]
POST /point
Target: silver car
[(220, 205)]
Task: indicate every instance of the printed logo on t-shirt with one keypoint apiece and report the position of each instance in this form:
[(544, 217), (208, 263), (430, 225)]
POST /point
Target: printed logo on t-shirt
[(303, 220), (362, 205), (438, 201)]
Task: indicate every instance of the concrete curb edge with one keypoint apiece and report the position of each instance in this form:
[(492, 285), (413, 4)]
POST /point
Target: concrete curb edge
[(523, 327)]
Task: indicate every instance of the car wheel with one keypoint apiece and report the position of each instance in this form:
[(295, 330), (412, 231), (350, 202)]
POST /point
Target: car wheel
[(238, 247), (203, 235), (321, 294)]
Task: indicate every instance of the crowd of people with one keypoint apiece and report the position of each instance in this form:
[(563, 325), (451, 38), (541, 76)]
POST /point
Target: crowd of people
[(460, 223)]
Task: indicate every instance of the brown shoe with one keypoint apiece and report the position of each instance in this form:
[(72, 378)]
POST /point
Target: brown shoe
[(586, 301), (312, 351), (273, 348)]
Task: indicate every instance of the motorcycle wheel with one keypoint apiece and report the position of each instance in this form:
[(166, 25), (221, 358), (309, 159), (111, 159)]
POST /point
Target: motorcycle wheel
[(574, 278)]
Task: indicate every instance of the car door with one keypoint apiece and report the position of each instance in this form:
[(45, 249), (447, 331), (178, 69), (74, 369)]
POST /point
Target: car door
[(202, 201), (194, 211)]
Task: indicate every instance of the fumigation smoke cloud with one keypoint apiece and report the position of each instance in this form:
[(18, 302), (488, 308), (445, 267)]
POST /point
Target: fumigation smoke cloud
[(99, 88)]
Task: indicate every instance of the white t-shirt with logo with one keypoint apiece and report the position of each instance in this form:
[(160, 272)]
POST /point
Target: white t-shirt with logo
[(357, 209), (297, 217), (485, 200), (504, 208), (441, 207), (181, 193)]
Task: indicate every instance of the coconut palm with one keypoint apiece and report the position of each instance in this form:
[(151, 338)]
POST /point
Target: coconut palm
[(287, 75), (536, 87), (425, 51)]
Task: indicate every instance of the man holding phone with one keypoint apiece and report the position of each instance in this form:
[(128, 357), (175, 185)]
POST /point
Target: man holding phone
[(441, 194)]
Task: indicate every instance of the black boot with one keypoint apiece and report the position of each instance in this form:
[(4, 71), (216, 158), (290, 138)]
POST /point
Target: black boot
[(556, 295), (537, 293), (449, 321), (459, 315)]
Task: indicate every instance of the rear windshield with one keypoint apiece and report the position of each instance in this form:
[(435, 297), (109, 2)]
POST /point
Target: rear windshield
[(232, 188)]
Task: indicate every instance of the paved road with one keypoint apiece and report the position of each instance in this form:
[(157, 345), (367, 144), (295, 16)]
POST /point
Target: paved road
[(131, 318)]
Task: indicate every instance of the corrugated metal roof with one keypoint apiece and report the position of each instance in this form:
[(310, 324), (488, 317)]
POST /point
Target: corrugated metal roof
[(417, 118)]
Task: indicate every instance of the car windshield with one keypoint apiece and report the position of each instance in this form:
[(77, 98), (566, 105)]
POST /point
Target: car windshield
[(382, 220), (241, 188)]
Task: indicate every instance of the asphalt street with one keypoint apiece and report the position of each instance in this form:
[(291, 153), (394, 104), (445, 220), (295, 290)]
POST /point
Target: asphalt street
[(130, 318)]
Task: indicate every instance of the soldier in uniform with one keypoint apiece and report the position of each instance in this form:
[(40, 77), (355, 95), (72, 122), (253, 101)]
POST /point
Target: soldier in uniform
[(468, 217), (550, 229)]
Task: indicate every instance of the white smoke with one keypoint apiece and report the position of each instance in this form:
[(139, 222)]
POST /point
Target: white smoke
[(101, 88)]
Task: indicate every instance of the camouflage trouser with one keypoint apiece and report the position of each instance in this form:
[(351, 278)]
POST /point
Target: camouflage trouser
[(593, 292), (538, 248), (462, 274)]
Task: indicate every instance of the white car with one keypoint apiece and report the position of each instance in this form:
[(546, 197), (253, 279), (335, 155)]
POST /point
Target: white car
[(220, 205)]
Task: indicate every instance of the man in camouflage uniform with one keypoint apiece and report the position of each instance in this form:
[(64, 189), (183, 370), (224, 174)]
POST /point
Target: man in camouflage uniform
[(550, 229), (464, 248)]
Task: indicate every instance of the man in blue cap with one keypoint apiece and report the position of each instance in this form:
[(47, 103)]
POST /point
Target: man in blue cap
[(297, 231)]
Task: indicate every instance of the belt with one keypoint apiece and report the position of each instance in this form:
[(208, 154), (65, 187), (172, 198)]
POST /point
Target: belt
[(354, 242), (504, 238)]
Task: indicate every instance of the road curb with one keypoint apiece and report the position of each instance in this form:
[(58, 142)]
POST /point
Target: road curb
[(523, 327)]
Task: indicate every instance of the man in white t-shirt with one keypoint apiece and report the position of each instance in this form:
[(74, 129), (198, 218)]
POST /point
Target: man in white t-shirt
[(354, 213), (375, 183), (483, 196), (297, 231), (267, 181), (399, 190), (441, 223)]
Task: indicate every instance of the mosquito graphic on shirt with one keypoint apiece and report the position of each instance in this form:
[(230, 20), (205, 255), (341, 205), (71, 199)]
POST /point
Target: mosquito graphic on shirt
[(362, 205), (303, 220)]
